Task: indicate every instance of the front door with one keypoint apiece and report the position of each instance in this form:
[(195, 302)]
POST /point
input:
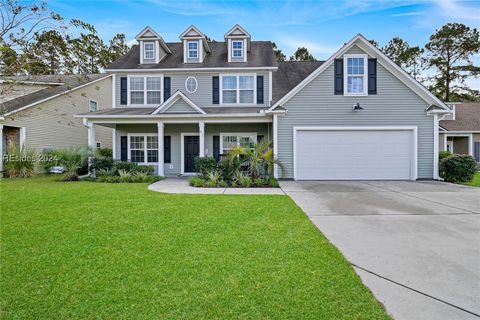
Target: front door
[(191, 150)]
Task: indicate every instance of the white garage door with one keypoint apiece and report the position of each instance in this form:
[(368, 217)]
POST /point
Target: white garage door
[(354, 154)]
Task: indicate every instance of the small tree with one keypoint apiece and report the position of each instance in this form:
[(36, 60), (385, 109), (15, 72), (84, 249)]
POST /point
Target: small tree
[(279, 55), (302, 54)]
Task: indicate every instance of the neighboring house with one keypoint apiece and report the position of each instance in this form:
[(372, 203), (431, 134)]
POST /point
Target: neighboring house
[(460, 131), (38, 111), (355, 116)]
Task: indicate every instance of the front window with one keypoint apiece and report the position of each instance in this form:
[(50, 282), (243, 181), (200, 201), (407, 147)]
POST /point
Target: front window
[(145, 90), (356, 75), (232, 140), (92, 105), (237, 49), (144, 149), (148, 50), (192, 49), (238, 89)]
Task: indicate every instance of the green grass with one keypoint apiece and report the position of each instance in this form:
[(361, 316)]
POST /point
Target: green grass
[(78, 250), (476, 180)]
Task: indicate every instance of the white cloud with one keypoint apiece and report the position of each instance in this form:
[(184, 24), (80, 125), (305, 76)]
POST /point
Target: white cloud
[(460, 11), (407, 14)]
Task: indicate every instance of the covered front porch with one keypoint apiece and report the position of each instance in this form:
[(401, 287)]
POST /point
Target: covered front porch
[(171, 147)]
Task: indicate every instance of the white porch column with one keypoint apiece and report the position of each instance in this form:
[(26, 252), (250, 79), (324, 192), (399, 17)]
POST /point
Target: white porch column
[(201, 133), (435, 147), (1, 147), (91, 135), (160, 127), (114, 143), (470, 144), (275, 143), (23, 135)]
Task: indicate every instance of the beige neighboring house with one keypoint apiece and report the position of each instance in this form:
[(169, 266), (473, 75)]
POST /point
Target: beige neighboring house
[(38, 111), (460, 131)]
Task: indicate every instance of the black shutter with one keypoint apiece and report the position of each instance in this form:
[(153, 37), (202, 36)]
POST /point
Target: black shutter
[(260, 138), (123, 148), (167, 155), (166, 88), (338, 74), (123, 90), (215, 90), (216, 148), (372, 76), (476, 151), (259, 89)]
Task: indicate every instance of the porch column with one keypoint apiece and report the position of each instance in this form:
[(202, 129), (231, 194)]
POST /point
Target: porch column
[(114, 143), (201, 133), (1, 147), (160, 127), (470, 144), (91, 135), (23, 135), (275, 143)]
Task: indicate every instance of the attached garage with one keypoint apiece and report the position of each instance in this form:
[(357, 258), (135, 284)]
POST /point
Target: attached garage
[(355, 153)]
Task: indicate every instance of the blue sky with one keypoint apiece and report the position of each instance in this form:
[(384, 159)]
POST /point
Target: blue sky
[(321, 26)]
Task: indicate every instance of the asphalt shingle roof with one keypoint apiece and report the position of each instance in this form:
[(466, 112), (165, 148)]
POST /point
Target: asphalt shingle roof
[(68, 82), (467, 118), (261, 55)]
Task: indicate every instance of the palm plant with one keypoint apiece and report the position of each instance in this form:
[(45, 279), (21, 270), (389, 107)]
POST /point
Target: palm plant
[(72, 159)]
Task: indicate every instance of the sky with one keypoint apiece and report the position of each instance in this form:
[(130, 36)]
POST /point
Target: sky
[(321, 26)]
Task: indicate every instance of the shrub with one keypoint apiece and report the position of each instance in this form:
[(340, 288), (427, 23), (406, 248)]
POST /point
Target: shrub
[(197, 182), (132, 167), (214, 177), (210, 184), (73, 160), (243, 180), (205, 165), (443, 154), (458, 168), (101, 163), (223, 184), (104, 152), (19, 162), (260, 182), (49, 158), (229, 167), (272, 182)]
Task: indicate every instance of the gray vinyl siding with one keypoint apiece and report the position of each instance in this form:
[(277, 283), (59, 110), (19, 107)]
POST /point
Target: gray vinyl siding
[(175, 130), (203, 96), (180, 107), (394, 105), (51, 125)]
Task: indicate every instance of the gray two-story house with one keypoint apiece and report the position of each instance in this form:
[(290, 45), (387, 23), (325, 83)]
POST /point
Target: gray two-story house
[(356, 115)]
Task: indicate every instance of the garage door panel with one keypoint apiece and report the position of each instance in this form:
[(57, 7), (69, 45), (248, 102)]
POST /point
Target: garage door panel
[(350, 155)]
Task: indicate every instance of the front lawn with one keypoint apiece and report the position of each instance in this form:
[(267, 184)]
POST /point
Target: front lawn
[(78, 250), (476, 180)]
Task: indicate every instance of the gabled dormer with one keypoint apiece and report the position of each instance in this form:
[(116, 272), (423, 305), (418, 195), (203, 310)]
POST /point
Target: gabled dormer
[(238, 43), (195, 45), (152, 47)]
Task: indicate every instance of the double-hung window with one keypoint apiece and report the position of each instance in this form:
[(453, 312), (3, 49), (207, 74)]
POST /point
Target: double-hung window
[(149, 50), (238, 89), (237, 49), (145, 90), (192, 47), (92, 105), (232, 140), (355, 71), (143, 148)]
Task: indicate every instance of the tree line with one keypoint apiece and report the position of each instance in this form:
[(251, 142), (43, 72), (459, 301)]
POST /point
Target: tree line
[(35, 40), (442, 65)]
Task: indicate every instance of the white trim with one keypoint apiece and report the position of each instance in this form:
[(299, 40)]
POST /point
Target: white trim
[(196, 84), (275, 144), (237, 26), (192, 27), (182, 149), (232, 50), (161, 148), (159, 39), (389, 64), (237, 134), (229, 50), (468, 135), (114, 143), (188, 49), (435, 147), (345, 74), (414, 129), (145, 154), (114, 84), (96, 105), (177, 121), (144, 52), (157, 52), (224, 69), (270, 88), (238, 75), (1, 148), (174, 98), (145, 76), (54, 96), (91, 135), (201, 142), (23, 136)]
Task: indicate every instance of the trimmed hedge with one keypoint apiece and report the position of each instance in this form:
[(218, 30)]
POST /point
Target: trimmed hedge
[(458, 168)]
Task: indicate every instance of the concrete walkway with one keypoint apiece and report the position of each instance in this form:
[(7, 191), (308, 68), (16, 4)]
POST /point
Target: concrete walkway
[(180, 185), (416, 245)]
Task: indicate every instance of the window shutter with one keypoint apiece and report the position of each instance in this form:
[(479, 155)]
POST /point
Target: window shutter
[(167, 155), (476, 151), (372, 76), (216, 148), (123, 90), (216, 90), (123, 148), (338, 74), (166, 88), (260, 138), (259, 89)]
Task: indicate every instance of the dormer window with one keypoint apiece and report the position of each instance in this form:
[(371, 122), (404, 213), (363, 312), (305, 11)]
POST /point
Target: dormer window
[(192, 49), (148, 50), (237, 49), (355, 73)]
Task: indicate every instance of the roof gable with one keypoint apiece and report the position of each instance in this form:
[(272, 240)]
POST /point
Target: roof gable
[(150, 34), (237, 31), (178, 103), (192, 32), (386, 62)]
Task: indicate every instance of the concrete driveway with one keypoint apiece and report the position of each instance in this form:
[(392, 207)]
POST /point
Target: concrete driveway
[(416, 245)]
